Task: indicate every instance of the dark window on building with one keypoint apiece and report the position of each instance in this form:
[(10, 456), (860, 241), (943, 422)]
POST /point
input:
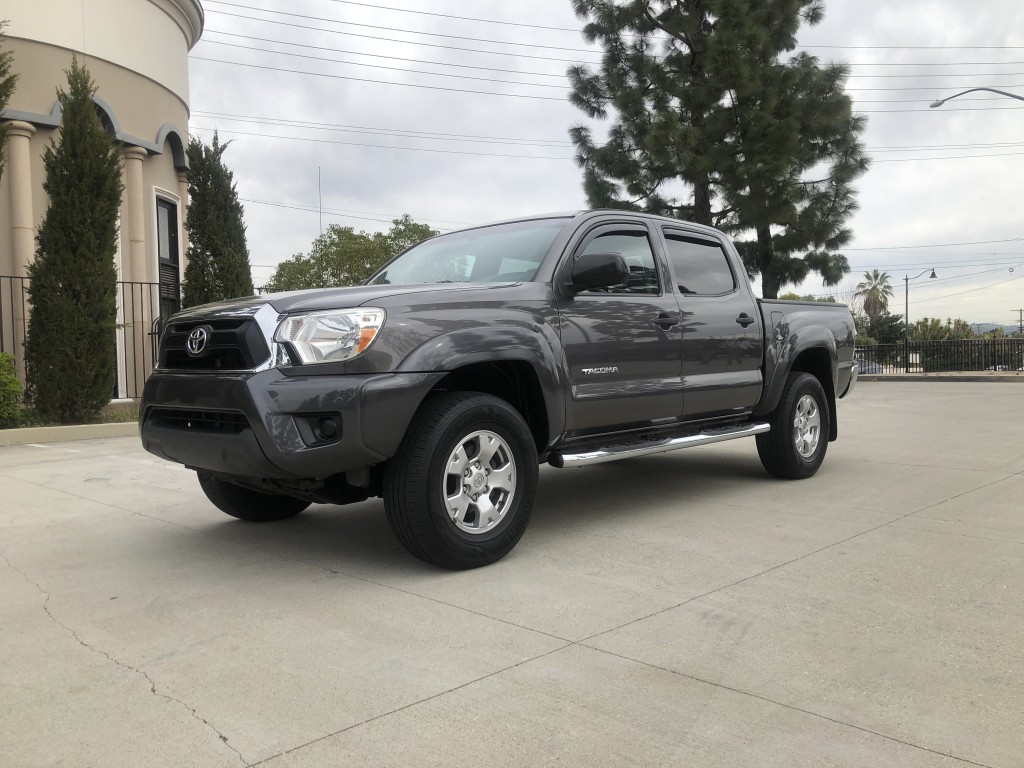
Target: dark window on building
[(168, 256), (636, 250), (701, 266)]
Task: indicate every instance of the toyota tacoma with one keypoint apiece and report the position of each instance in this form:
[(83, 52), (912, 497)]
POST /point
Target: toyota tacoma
[(443, 381)]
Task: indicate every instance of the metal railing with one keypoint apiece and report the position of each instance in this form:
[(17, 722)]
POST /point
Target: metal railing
[(939, 356), (138, 321)]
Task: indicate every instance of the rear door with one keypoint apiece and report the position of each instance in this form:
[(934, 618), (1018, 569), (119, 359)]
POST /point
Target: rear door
[(722, 334), (622, 344)]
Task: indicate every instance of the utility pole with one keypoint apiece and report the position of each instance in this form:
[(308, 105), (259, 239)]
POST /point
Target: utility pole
[(320, 195), (1020, 314)]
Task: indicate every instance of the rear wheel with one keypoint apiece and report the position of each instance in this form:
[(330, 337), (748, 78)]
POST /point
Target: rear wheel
[(460, 490), (795, 447), (247, 504)]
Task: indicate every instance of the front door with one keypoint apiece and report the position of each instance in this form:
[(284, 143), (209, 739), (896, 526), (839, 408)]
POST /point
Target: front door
[(622, 344), (168, 257)]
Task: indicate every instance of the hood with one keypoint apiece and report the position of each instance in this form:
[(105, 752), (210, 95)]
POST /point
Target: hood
[(322, 299), (359, 295)]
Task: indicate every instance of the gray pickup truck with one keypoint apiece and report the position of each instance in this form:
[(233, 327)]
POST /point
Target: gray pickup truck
[(449, 376)]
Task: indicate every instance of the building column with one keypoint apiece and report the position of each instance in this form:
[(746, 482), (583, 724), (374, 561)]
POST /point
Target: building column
[(182, 213), (136, 265), (19, 171)]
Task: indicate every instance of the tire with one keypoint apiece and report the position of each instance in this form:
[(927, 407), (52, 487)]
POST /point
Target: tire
[(247, 504), (795, 447), (425, 484)]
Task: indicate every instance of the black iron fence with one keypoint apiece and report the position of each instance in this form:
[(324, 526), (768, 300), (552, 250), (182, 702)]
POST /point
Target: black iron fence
[(938, 356), (138, 320)]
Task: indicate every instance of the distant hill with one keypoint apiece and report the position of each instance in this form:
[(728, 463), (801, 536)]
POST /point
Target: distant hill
[(989, 327)]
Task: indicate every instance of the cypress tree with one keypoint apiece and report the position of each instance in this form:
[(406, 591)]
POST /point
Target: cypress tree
[(69, 352), (218, 257), (706, 107), (7, 82)]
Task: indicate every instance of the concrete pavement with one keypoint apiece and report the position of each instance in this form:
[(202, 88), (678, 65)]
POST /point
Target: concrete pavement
[(682, 609)]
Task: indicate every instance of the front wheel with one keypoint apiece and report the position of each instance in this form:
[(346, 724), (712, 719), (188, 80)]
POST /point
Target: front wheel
[(460, 490), (796, 444), (247, 504)]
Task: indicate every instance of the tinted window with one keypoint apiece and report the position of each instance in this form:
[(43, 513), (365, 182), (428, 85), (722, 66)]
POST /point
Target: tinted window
[(636, 250), (701, 267)]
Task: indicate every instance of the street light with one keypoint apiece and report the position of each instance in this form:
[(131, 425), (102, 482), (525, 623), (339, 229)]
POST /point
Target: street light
[(906, 314), (940, 102)]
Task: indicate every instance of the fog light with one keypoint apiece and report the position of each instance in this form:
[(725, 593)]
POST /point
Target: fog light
[(329, 428), (319, 428)]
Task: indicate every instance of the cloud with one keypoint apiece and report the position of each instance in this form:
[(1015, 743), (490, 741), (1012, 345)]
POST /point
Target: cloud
[(905, 202)]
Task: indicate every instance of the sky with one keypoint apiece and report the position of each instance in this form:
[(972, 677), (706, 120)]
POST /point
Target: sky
[(479, 131)]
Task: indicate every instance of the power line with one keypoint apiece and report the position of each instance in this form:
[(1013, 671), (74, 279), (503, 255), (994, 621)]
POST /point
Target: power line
[(406, 42), (383, 82), (936, 245), (397, 133), (421, 71), (380, 55), (452, 16), (477, 67), (383, 146), (920, 47), (917, 76), (395, 29), (338, 213), (970, 290), (947, 157)]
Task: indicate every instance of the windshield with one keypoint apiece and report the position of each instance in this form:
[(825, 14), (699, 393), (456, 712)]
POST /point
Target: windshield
[(503, 253)]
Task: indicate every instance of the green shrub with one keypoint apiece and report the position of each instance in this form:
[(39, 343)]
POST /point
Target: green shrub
[(10, 393)]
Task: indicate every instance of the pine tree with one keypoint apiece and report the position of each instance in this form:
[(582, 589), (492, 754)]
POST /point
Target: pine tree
[(69, 352), (712, 125), (218, 257), (7, 82)]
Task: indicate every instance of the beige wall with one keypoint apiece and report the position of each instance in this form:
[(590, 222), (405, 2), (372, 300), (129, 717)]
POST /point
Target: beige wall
[(150, 37), (137, 54)]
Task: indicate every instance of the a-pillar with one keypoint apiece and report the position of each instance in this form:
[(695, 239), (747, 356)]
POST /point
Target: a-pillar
[(19, 172), (134, 269)]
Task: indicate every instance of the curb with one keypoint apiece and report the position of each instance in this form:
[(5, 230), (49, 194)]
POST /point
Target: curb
[(940, 377), (64, 434)]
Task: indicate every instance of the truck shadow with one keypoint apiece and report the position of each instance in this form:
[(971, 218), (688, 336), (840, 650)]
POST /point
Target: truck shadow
[(357, 538)]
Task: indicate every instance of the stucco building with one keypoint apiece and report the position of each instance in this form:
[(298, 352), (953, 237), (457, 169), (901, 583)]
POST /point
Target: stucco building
[(137, 54)]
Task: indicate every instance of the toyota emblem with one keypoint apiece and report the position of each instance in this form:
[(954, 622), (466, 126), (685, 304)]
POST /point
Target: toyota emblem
[(197, 340)]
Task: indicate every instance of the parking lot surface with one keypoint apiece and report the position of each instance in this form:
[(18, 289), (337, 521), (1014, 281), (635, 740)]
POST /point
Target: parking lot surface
[(676, 610)]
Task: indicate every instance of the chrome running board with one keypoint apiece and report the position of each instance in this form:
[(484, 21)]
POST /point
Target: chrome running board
[(646, 447)]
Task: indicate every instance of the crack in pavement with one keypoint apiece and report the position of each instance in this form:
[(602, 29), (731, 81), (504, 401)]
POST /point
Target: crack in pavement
[(117, 662)]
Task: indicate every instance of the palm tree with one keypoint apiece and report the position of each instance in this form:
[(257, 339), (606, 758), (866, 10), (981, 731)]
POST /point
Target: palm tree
[(875, 291)]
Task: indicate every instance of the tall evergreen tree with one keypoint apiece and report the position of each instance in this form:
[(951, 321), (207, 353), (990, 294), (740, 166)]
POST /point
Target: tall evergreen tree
[(69, 352), (218, 257), (8, 80), (712, 125)]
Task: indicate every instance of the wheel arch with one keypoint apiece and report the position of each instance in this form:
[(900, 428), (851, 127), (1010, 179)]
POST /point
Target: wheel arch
[(514, 380), (810, 350)]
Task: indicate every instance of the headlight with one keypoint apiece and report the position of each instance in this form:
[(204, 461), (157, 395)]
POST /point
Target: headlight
[(330, 337)]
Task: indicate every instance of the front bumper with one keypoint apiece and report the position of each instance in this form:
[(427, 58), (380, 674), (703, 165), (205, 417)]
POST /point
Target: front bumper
[(254, 424)]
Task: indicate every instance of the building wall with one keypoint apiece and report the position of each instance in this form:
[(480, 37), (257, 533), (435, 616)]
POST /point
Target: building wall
[(137, 54)]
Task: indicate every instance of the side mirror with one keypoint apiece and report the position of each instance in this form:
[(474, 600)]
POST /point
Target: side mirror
[(597, 270)]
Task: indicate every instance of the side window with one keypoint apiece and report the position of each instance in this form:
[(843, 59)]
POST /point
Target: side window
[(701, 266), (636, 250)]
